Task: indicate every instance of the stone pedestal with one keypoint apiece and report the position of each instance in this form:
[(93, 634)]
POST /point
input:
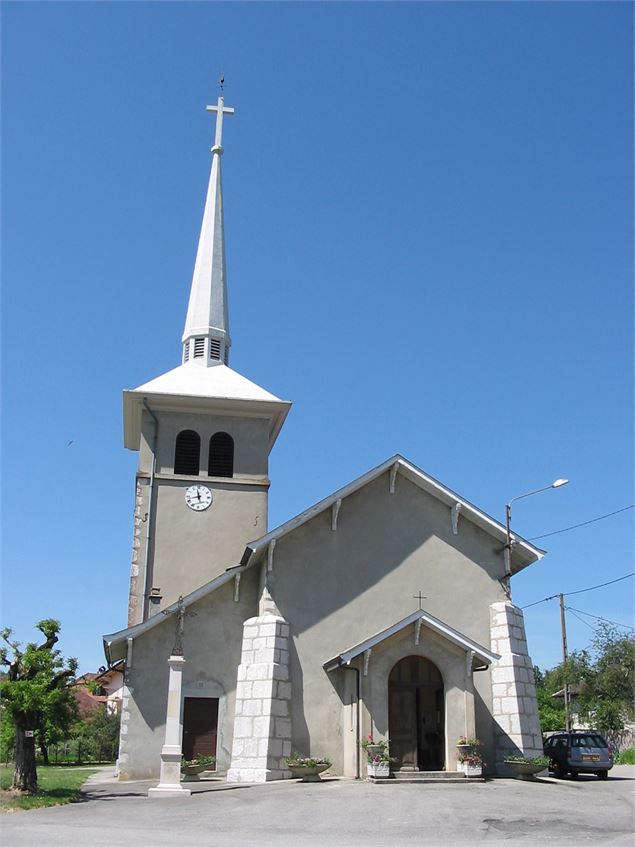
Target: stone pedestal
[(262, 725), (170, 778), (514, 704)]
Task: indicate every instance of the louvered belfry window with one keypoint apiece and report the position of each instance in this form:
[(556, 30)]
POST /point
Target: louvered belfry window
[(187, 452), (221, 455), (199, 348), (214, 348)]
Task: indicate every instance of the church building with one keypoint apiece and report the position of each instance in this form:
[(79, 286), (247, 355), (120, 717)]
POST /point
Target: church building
[(248, 643)]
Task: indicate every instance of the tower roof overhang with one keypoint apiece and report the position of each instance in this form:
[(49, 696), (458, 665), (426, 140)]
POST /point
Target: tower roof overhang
[(190, 388)]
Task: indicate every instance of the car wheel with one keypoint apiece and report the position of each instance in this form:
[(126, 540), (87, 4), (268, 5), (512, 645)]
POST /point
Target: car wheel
[(574, 774), (603, 774)]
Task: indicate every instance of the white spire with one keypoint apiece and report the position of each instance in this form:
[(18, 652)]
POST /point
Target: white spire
[(206, 338)]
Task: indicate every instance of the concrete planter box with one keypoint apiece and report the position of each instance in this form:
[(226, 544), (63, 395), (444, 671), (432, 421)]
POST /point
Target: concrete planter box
[(379, 769), (525, 770)]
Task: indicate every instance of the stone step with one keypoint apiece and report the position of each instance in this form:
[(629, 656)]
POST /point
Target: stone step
[(451, 780), (441, 775)]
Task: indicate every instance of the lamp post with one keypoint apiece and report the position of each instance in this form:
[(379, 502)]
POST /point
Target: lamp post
[(508, 531)]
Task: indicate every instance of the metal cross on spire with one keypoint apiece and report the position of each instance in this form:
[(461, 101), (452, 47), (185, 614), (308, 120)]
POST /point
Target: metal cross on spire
[(177, 649), (221, 109)]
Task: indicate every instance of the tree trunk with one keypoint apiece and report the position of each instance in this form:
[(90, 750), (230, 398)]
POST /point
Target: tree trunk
[(25, 774), (44, 751)]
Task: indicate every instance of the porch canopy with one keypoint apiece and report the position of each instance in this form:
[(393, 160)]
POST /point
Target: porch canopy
[(482, 658)]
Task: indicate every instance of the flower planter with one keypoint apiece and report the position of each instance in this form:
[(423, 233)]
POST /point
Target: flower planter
[(374, 750), (307, 774), (472, 770), (525, 770), (379, 769), (464, 748), (191, 773)]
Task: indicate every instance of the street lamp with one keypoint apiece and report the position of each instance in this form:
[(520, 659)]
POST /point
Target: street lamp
[(508, 532)]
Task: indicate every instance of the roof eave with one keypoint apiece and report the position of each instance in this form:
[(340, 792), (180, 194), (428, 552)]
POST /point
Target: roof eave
[(275, 411)]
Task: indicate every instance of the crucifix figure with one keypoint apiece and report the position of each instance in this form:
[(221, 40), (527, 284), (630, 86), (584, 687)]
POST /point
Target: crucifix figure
[(177, 649), (221, 109), (419, 597)]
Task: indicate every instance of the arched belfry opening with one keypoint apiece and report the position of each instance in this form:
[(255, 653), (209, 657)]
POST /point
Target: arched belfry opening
[(221, 455), (187, 452), (416, 709)]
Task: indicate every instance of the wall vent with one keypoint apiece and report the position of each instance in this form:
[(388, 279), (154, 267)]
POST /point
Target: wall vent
[(199, 348), (214, 348)]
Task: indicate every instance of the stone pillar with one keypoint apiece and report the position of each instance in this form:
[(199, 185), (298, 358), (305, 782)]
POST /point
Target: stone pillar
[(514, 704), (262, 725), (170, 779)]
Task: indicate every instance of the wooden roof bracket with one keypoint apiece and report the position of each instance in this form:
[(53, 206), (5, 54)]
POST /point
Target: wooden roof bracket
[(335, 510), (455, 518), (418, 624), (367, 660), (393, 477), (270, 549)]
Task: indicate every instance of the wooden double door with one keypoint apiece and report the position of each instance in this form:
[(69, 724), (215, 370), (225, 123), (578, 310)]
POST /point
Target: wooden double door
[(200, 726), (416, 708)]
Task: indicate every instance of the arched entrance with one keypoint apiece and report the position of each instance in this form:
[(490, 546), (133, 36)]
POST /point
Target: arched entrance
[(415, 715)]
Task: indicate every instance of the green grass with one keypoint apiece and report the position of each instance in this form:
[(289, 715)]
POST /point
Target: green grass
[(626, 757), (57, 785)]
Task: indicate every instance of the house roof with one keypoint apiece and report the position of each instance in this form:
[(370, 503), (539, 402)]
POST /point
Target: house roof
[(428, 620), (524, 553), (202, 389)]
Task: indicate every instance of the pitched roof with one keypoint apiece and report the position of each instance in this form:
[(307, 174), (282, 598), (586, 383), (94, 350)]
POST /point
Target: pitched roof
[(524, 553), (443, 629)]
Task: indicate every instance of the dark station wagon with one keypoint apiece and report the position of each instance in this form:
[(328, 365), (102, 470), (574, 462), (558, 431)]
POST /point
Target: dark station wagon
[(578, 751)]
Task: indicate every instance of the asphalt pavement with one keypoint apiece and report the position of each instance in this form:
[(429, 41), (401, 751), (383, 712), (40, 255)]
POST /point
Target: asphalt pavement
[(342, 812)]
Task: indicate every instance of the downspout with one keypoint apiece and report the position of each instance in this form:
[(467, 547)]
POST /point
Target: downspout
[(358, 722), (146, 555)]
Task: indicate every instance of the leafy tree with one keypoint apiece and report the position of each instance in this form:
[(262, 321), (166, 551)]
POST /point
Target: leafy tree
[(550, 709), (35, 695), (96, 734), (602, 679)]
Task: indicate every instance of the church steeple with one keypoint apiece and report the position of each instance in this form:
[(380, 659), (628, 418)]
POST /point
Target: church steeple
[(206, 338)]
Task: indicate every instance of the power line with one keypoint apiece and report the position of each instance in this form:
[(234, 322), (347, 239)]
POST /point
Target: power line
[(579, 591), (584, 523), (598, 618), (591, 627)]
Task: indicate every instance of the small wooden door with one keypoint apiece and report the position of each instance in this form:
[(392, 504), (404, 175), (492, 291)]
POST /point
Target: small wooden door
[(200, 726)]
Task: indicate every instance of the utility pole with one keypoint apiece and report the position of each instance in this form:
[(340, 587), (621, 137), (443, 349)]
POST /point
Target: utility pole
[(565, 657)]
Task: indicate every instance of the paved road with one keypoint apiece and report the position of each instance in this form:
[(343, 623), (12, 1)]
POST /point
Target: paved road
[(342, 813)]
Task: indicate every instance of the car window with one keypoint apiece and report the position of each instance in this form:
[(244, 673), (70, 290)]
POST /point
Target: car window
[(588, 741)]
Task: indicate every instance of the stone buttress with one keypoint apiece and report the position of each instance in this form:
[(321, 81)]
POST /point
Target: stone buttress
[(262, 724), (514, 704)]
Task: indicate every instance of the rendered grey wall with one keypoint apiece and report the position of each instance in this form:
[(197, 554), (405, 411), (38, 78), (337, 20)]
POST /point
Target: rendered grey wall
[(212, 645), (338, 588), (188, 548)]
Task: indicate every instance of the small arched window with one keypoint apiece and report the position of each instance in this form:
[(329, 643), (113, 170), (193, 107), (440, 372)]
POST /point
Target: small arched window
[(187, 452), (221, 455)]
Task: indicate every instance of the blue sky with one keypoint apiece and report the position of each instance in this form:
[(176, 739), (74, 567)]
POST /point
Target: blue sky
[(429, 234)]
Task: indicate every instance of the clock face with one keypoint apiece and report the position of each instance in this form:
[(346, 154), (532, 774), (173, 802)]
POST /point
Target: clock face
[(198, 497)]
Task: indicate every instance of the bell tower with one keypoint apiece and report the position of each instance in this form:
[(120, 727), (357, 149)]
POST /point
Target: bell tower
[(204, 434)]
